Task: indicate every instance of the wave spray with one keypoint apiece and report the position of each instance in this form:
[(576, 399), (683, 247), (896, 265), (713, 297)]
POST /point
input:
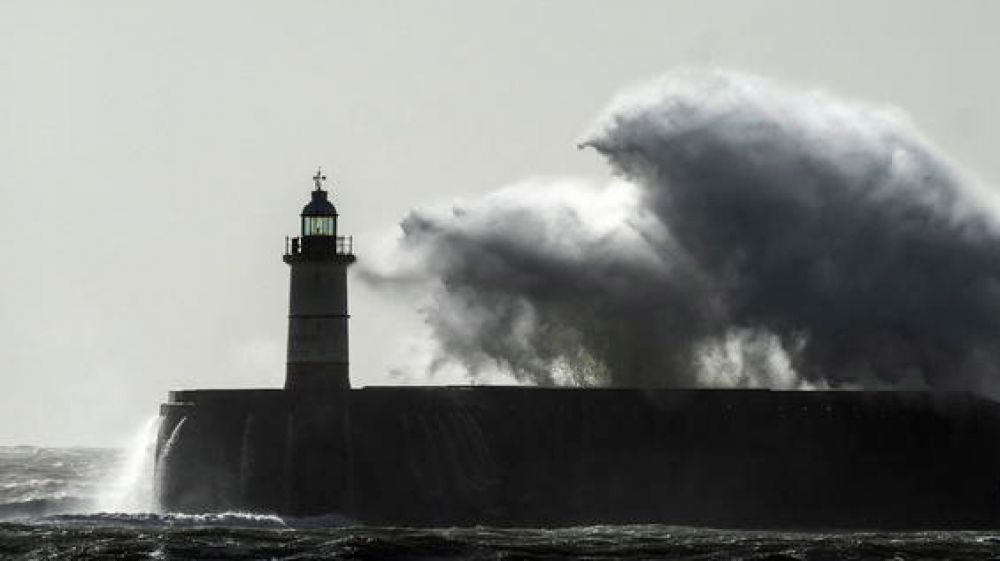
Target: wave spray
[(129, 488)]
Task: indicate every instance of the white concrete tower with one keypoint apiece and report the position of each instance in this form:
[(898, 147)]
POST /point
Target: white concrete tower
[(317, 314)]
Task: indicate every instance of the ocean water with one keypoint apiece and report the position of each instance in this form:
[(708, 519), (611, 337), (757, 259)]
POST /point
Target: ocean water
[(72, 503)]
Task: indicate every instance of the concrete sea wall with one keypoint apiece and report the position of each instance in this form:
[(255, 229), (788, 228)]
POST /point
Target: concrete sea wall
[(533, 456)]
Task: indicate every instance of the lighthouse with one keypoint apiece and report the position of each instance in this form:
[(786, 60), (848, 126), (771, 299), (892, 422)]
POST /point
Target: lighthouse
[(317, 311)]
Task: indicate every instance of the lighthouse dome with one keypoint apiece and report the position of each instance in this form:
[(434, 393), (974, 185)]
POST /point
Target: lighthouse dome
[(320, 205)]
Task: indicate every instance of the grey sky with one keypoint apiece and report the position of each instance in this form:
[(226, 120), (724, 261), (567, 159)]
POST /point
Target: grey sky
[(154, 156)]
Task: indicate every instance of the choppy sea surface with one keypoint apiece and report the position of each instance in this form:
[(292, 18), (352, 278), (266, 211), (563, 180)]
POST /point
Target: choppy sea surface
[(94, 504)]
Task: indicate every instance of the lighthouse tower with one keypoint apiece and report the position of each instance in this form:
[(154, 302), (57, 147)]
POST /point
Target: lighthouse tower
[(317, 314)]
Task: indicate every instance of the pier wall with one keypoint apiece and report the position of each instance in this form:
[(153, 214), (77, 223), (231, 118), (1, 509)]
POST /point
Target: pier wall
[(534, 456)]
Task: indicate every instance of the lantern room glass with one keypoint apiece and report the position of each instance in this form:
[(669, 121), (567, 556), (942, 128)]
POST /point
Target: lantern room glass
[(319, 225)]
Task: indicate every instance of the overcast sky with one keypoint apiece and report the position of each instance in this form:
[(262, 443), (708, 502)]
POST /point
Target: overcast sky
[(153, 156)]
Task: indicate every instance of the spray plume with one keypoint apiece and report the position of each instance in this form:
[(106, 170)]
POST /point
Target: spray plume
[(755, 236)]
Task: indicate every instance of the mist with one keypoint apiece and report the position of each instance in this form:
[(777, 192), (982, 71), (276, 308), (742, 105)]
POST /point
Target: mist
[(755, 235)]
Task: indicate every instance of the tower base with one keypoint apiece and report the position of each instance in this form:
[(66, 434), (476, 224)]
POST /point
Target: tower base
[(317, 376)]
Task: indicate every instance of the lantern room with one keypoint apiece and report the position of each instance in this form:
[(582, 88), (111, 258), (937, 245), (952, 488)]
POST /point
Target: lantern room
[(319, 217)]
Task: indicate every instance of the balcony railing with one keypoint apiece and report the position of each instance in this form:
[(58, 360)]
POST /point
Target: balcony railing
[(341, 245), (345, 245)]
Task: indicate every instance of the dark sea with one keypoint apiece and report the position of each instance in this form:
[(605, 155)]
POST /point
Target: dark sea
[(72, 503)]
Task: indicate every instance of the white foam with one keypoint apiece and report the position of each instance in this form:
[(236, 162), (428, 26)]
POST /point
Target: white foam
[(215, 519), (144, 519), (130, 487)]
